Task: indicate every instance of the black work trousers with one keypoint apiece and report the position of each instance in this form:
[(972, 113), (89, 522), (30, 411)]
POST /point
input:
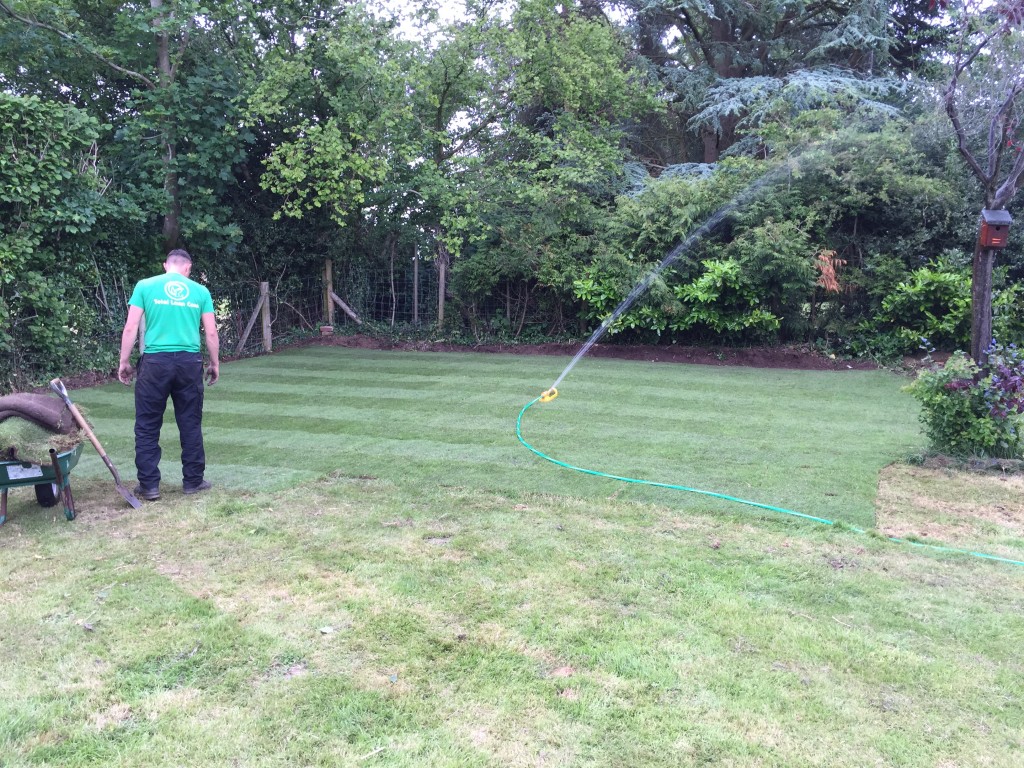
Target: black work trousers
[(178, 375)]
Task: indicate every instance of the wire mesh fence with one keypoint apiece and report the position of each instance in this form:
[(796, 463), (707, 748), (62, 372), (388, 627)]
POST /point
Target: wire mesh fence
[(401, 294), (393, 294)]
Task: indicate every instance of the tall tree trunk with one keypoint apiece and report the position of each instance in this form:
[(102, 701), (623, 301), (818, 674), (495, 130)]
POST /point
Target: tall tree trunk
[(724, 39), (443, 260), (981, 302), (172, 216)]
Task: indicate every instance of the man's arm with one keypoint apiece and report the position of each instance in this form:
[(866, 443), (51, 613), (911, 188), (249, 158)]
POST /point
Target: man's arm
[(212, 347), (128, 337)]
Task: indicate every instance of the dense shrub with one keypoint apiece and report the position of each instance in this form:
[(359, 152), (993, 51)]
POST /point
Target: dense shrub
[(52, 207), (972, 410), (933, 302)]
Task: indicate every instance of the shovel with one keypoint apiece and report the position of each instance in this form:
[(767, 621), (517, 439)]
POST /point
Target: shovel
[(58, 386)]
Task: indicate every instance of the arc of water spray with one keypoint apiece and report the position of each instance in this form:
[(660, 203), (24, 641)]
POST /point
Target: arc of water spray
[(749, 193)]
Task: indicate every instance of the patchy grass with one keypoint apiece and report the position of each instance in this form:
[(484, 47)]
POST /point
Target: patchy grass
[(967, 510), (475, 606)]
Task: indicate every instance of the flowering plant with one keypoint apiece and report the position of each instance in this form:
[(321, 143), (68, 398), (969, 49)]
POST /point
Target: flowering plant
[(974, 410)]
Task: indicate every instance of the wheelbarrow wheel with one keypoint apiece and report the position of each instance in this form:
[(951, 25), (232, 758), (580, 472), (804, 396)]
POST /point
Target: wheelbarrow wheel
[(47, 494)]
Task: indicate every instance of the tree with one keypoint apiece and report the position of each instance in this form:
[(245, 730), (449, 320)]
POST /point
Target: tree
[(720, 61), (459, 137), (553, 162), (169, 23), (983, 101)]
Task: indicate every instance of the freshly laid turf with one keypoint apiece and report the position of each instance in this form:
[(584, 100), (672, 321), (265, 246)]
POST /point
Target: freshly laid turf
[(385, 577), (809, 441)]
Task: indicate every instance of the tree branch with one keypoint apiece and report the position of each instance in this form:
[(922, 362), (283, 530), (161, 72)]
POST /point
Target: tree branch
[(1008, 188), (1000, 125), (961, 135), (74, 41), (698, 38)]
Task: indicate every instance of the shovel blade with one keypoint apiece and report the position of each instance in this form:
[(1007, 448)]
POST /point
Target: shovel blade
[(129, 497)]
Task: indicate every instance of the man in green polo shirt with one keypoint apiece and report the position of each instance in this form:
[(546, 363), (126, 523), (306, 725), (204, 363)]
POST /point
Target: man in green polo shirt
[(174, 307)]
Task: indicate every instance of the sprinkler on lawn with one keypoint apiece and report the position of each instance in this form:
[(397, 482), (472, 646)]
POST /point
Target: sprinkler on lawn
[(994, 228)]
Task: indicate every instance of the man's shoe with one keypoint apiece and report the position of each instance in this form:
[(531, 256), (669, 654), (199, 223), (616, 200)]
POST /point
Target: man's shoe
[(203, 486), (149, 494)]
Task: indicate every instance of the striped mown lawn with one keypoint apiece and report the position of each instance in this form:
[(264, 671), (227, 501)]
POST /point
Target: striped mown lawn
[(812, 442)]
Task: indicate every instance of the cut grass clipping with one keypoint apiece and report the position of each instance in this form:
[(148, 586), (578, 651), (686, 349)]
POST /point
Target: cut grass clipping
[(385, 577), (24, 440)]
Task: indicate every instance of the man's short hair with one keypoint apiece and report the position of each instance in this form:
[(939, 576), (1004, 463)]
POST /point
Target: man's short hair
[(179, 255)]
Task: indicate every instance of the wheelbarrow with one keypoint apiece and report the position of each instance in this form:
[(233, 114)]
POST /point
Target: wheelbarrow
[(52, 481)]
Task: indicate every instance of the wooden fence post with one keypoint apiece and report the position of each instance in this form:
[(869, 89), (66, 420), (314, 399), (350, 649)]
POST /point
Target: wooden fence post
[(262, 309), (268, 341), (442, 277), (328, 290), (415, 285)]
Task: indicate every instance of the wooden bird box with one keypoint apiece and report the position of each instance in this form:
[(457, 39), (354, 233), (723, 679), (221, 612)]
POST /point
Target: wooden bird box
[(995, 229)]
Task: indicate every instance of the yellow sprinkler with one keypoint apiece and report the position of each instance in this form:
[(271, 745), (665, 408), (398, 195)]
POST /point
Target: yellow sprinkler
[(548, 395)]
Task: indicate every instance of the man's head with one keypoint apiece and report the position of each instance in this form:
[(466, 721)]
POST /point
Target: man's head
[(178, 261)]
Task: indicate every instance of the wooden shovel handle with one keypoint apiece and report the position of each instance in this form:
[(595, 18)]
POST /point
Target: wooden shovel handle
[(58, 386)]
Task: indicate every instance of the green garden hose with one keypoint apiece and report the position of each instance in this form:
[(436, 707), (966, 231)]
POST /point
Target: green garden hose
[(552, 393)]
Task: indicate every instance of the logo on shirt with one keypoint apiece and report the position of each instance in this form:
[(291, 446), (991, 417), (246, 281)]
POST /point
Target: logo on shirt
[(176, 290)]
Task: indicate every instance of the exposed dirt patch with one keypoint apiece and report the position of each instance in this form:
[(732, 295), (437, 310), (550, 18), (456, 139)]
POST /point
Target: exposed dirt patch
[(92, 379), (100, 513), (81, 381)]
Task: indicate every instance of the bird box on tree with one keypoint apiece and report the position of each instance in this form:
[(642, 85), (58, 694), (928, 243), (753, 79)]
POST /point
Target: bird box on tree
[(995, 229)]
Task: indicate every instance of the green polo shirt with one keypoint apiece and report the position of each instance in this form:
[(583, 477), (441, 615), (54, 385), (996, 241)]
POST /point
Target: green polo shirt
[(173, 306)]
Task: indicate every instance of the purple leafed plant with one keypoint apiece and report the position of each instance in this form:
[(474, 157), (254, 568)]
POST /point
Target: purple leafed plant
[(970, 409)]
